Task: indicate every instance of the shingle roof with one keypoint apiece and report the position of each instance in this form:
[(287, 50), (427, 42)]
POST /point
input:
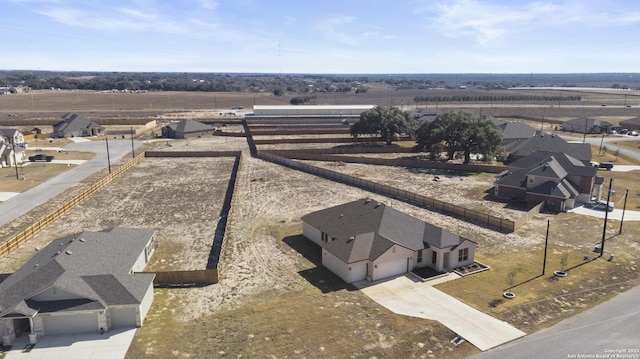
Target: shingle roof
[(632, 121), (557, 167), (91, 265), (545, 142), (365, 229), (74, 122), (9, 132), (586, 123), (513, 130), (189, 126)]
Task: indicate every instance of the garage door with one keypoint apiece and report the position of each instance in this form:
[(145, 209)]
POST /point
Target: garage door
[(71, 324), (390, 269), (358, 271), (123, 317)]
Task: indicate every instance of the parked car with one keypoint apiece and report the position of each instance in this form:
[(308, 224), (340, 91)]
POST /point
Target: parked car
[(40, 157), (237, 107), (605, 166), (600, 206)]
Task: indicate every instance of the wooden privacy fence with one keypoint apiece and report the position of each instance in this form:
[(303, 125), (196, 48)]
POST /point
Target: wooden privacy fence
[(185, 278), (23, 236), (501, 224), (399, 162), (255, 131), (527, 216), (277, 141), (193, 154)]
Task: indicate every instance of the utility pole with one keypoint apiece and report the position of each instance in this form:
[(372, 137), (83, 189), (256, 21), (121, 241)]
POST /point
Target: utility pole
[(606, 217), (133, 151), (584, 135), (546, 243), (601, 143), (15, 161), (624, 208), (108, 159)]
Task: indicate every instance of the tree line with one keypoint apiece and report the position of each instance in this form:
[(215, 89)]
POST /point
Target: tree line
[(451, 133), (489, 98)]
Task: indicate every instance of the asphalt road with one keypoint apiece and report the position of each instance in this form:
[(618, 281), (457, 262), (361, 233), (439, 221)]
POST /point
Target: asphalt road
[(26, 201), (609, 330), (610, 141)]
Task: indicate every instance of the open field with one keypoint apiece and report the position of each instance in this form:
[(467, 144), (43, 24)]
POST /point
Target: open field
[(46, 107), (275, 300)]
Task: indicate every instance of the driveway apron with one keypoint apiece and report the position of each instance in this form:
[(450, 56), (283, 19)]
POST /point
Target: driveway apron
[(404, 296)]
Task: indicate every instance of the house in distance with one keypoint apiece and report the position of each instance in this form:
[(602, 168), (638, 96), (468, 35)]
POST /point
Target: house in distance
[(186, 128), (74, 125)]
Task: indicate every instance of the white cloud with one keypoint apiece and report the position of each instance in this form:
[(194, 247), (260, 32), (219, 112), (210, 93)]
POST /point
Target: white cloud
[(486, 21), (288, 20), (333, 28), (209, 4)]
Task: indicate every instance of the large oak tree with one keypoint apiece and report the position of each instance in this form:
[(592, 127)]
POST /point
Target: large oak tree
[(463, 132), (384, 121)]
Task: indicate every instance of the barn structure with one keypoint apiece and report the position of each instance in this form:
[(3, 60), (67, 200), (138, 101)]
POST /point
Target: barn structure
[(310, 110)]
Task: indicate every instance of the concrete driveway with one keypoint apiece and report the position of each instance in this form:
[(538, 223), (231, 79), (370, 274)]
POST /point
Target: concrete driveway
[(615, 214), (111, 345), (408, 296), (625, 168)]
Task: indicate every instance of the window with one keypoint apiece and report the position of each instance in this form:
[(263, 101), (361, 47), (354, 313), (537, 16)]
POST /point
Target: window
[(325, 237), (434, 257), (463, 254), (420, 256)]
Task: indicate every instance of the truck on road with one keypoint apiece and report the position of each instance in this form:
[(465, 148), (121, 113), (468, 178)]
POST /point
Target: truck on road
[(40, 157)]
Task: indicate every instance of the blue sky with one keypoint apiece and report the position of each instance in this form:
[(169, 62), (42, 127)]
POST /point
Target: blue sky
[(328, 36)]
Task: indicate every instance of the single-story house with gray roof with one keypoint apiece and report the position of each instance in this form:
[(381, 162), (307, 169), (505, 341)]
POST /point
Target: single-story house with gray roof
[(75, 125), (186, 128), (365, 239), (631, 124), (588, 125), (81, 283)]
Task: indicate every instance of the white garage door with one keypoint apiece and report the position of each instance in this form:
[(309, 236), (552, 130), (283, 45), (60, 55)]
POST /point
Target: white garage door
[(358, 271), (71, 324), (123, 317), (390, 269)]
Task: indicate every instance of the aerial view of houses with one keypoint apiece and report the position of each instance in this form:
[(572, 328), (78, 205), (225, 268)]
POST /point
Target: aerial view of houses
[(414, 179)]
